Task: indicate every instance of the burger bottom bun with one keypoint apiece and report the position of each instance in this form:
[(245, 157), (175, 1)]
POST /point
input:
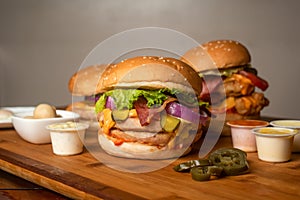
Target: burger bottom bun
[(85, 109), (139, 151)]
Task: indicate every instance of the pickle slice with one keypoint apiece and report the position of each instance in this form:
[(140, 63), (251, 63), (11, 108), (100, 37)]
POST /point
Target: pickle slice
[(169, 123), (120, 115)]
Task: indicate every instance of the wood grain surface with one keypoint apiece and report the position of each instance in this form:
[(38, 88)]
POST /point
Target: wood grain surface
[(94, 175)]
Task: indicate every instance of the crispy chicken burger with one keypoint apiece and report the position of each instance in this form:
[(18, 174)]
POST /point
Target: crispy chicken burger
[(83, 83), (234, 94), (149, 108)]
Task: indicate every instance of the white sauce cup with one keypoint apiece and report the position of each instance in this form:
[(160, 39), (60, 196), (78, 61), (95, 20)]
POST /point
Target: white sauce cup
[(241, 135), (294, 124), (66, 138), (274, 144)]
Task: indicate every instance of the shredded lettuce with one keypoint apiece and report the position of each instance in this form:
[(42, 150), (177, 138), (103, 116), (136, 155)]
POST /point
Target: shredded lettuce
[(124, 98)]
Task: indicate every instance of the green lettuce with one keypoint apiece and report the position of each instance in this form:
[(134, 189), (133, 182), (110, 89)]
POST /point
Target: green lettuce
[(124, 98)]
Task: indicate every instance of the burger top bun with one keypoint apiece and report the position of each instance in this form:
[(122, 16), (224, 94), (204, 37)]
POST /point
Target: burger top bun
[(84, 81), (223, 54), (150, 72)]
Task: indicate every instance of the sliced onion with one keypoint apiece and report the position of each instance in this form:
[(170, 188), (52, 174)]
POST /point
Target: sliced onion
[(183, 112), (93, 98), (110, 103)]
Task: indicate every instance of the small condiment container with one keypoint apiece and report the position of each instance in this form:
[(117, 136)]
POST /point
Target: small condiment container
[(66, 138), (274, 144), (242, 137), (294, 124)]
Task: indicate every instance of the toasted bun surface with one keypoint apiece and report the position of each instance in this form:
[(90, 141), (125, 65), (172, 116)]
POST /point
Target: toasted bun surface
[(84, 82), (223, 54), (150, 72)]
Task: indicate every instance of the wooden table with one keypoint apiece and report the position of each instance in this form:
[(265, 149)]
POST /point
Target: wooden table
[(13, 187), (84, 177)]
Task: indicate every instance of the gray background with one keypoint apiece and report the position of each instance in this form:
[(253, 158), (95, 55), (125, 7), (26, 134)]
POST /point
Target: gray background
[(43, 42)]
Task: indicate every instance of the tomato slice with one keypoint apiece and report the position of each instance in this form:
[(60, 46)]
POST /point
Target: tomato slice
[(257, 81)]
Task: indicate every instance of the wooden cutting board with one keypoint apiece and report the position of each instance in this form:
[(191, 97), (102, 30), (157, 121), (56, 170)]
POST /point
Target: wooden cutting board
[(93, 176)]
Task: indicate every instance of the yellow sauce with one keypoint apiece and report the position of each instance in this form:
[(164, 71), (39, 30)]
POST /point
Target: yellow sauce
[(273, 131), (288, 123)]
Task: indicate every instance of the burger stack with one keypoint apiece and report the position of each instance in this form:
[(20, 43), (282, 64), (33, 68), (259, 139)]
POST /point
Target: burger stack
[(230, 83), (148, 108)]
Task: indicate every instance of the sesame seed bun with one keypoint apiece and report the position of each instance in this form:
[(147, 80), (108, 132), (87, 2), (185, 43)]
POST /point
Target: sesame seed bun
[(150, 72), (222, 53), (84, 81)]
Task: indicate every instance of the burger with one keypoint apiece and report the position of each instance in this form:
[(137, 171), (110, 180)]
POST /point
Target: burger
[(149, 108), (83, 84), (229, 80)]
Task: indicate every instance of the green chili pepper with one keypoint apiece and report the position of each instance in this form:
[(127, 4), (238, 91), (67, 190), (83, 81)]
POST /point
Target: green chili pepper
[(225, 161), (204, 173), (200, 174), (232, 160), (215, 170), (187, 166)]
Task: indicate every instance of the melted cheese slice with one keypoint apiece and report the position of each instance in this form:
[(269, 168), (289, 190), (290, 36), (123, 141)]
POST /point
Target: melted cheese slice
[(227, 104)]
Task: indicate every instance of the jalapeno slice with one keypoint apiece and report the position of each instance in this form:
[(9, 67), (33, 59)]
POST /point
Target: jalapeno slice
[(232, 160), (187, 166), (215, 170), (205, 173), (200, 174)]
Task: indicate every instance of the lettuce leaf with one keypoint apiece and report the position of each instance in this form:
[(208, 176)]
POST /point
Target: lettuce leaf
[(124, 98)]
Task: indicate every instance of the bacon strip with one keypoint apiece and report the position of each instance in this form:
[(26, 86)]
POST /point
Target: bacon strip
[(209, 84), (256, 80), (144, 113)]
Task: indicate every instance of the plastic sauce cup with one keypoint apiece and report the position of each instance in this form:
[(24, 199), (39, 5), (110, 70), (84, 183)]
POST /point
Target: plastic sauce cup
[(274, 144), (294, 124), (242, 137), (66, 138)]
